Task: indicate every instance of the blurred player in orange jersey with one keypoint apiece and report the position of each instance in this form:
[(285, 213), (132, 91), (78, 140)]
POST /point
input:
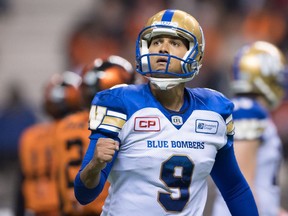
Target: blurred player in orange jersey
[(72, 136), (37, 150)]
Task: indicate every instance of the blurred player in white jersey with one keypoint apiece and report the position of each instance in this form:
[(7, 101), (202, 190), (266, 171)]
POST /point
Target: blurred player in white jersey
[(258, 76), (157, 142)]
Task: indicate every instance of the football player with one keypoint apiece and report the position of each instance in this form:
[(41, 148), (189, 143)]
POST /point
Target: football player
[(72, 136), (37, 150), (258, 78), (158, 142)]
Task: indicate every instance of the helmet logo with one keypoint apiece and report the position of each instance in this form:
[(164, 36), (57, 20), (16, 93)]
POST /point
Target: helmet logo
[(166, 23), (269, 67)]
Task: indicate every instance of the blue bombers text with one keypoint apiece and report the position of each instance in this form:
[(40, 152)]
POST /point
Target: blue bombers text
[(174, 144)]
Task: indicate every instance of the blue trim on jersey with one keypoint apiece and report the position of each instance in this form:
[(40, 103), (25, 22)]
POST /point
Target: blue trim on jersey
[(232, 184), (129, 99), (230, 142), (85, 195), (185, 111), (168, 15), (247, 108), (211, 100)]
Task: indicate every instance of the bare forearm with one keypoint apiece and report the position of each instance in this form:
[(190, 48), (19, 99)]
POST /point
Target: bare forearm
[(90, 175)]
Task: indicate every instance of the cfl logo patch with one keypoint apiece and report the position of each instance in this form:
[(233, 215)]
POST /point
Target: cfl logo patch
[(177, 120), (151, 124)]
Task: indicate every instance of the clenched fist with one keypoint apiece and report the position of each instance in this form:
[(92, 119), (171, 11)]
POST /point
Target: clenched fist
[(104, 151)]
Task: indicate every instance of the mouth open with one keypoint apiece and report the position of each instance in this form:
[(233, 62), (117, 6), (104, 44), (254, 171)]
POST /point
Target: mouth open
[(162, 60)]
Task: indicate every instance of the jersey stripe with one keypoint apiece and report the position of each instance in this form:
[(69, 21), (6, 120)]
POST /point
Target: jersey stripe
[(230, 125), (110, 128), (100, 117), (117, 114), (113, 121)]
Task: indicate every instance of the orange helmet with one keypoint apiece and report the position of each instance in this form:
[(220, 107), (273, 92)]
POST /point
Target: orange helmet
[(104, 74), (62, 94)]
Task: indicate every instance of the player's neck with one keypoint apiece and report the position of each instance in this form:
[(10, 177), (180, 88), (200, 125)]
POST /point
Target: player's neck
[(171, 99)]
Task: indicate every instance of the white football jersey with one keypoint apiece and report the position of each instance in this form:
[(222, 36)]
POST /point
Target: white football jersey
[(165, 156), (253, 122)]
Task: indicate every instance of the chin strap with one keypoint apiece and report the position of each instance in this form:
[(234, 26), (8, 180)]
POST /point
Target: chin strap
[(168, 83)]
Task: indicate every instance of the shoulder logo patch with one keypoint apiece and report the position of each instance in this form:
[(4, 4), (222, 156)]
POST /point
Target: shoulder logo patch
[(206, 126)]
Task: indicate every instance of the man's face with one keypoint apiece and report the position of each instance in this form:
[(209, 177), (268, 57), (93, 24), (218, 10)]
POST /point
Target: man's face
[(167, 45)]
